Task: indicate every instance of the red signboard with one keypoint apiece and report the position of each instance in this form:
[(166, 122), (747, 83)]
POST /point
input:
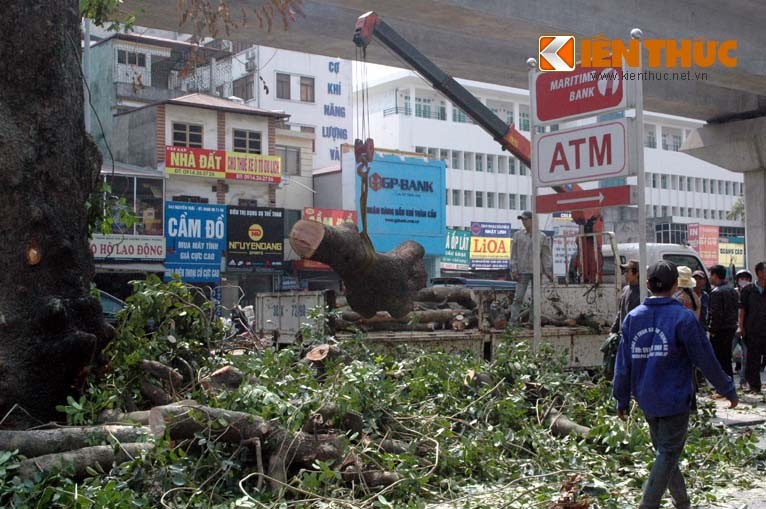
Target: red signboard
[(592, 198), (704, 239), (219, 164), (330, 217), (586, 90)]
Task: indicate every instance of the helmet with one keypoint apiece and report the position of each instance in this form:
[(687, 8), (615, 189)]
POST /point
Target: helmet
[(744, 274)]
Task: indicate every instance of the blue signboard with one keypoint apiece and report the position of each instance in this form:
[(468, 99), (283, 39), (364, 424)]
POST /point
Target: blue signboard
[(195, 236), (405, 201)]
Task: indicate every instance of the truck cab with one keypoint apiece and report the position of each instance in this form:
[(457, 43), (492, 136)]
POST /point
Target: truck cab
[(676, 253)]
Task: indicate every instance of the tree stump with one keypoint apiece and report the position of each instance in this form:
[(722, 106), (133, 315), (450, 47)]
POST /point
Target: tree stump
[(374, 281)]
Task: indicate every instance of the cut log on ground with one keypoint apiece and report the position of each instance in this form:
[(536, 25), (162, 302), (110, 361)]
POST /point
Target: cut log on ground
[(163, 373), (78, 460), (33, 443), (561, 425), (462, 296), (374, 281)]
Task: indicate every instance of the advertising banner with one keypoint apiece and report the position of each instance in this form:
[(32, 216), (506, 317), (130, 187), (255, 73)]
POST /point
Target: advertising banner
[(457, 249), (331, 217), (731, 253), (405, 201), (219, 164), (490, 246), (195, 238), (564, 248), (128, 247), (255, 237)]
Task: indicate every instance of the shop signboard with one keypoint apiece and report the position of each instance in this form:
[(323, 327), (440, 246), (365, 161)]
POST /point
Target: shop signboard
[(220, 164), (564, 248), (490, 246), (195, 238), (255, 238), (128, 247), (457, 248), (731, 254)]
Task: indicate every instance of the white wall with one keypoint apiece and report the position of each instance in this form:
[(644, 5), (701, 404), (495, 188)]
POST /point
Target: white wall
[(271, 61)]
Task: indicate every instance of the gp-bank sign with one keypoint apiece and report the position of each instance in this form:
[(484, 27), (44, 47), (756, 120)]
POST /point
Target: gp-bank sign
[(405, 201), (557, 52)]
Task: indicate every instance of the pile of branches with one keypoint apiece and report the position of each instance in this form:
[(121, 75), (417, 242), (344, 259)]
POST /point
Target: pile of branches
[(334, 425)]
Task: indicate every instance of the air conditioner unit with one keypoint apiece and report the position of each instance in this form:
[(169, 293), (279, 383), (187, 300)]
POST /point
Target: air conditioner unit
[(250, 66)]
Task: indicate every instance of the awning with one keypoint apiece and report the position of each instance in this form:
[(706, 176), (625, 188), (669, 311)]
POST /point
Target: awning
[(130, 267)]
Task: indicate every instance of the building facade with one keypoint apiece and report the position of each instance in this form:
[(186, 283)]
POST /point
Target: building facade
[(484, 183)]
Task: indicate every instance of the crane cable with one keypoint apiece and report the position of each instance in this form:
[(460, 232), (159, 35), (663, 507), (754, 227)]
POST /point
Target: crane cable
[(363, 150)]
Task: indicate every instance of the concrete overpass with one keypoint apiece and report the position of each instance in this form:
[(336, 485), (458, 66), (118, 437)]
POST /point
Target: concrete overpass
[(490, 40)]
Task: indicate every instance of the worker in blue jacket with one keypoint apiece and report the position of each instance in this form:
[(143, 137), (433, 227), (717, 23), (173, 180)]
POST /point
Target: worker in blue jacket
[(661, 343)]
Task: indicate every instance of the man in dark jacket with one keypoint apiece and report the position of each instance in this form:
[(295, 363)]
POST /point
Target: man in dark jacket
[(723, 316), (752, 325), (661, 343), (631, 294)]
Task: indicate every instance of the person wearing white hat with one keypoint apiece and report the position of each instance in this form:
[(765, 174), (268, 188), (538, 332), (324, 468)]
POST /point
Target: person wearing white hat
[(685, 293)]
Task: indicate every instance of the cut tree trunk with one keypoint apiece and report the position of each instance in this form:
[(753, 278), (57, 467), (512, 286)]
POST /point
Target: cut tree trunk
[(33, 443), (79, 460), (51, 329), (462, 296), (374, 281)]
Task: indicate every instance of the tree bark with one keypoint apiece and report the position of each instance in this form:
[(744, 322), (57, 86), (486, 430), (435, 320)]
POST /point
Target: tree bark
[(51, 329), (374, 281), (80, 459), (51, 441)]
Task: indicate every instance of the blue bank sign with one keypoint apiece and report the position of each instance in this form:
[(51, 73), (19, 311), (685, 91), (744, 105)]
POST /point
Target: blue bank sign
[(405, 201), (195, 236)]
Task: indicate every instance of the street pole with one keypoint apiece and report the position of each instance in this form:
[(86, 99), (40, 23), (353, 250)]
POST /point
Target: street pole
[(537, 292), (639, 141)]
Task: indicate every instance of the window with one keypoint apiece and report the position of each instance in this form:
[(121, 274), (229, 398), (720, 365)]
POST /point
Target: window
[(697, 213), (480, 199), (704, 185), (501, 200), (307, 89), (673, 182), (512, 166), (187, 135), (456, 197), (540, 129), (479, 162), (655, 181), (291, 159), (458, 115), (490, 200), (455, 159), (675, 144), (283, 86), (720, 187), (441, 111), (512, 201), (244, 86), (664, 211), (490, 164), (689, 184), (689, 212), (248, 142), (650, 137), (467, 199), (681, 183), (131, 58), (664, 181), (674, 211), (423, 107), (728, 188), (523, 201), (524, 121), (446, 197), (149, 206), (143, 196), (466, 160), (656, 211)]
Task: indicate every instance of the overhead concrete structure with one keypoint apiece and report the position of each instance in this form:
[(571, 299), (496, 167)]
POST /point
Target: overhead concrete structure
[(490, 40)]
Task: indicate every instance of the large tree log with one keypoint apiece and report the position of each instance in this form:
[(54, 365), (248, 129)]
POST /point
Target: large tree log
[(51, 328), (374, 281), (51, 441), (462, 296), (80, 459)]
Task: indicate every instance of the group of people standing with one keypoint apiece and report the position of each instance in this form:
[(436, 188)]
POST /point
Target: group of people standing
[(665, 339)]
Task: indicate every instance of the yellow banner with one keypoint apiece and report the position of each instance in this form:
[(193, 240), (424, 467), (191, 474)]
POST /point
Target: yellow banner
[(731, 253), (490, 248)]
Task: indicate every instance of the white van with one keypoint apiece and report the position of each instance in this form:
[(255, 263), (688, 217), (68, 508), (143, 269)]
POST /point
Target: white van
[(676, 253)]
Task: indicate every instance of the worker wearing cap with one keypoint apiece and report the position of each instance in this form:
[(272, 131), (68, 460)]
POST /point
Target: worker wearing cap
[(521, 261), (661, 343)]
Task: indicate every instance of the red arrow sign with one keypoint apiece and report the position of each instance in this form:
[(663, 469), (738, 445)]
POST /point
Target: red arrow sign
[(592, 198)]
